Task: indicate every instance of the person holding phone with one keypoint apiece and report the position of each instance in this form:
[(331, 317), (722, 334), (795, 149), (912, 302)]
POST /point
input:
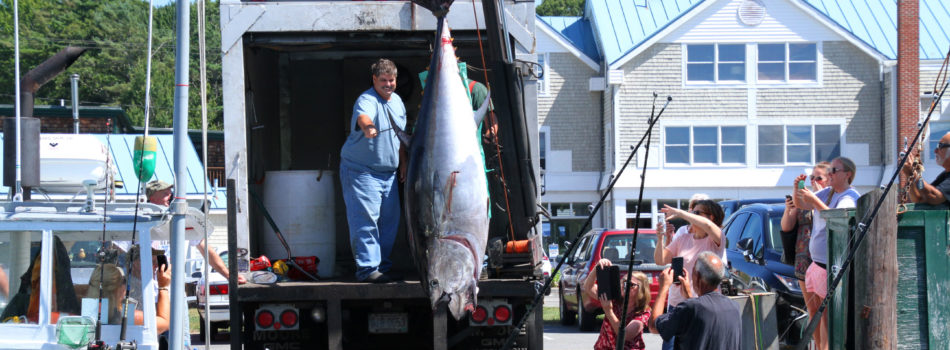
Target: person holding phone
[(839, 194), (707, 319), (704, 235), (638, 309)]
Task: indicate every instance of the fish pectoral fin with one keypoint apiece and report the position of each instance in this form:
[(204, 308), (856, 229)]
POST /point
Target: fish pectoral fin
[(483, 110)]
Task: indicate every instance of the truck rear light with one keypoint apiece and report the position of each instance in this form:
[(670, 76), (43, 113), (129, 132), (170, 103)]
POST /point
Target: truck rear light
[(265, 319), (502, 313), (218, 289), (480, 314), (288, 318)]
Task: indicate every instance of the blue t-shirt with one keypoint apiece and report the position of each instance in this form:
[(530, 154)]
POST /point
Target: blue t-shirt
[(381, 153), (818, 244)]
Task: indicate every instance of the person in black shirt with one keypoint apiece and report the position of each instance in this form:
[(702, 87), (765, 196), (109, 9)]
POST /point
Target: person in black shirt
[(707, 321), (937, 192)]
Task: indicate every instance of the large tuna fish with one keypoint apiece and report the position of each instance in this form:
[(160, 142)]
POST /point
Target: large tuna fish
[(446, 191)]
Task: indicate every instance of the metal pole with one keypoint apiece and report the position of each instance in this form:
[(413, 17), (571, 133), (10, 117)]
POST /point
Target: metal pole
[(148, 67), (179, 323), (74, 82), (18, 197)]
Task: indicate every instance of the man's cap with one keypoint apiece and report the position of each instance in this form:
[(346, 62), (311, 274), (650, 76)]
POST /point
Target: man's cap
[(156, 186)]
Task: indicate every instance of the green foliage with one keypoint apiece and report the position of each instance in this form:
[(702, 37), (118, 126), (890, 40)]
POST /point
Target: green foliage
[(113, 69), (561, 8)]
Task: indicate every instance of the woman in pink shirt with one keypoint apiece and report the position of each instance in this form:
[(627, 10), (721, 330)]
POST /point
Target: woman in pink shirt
[(705, 235)]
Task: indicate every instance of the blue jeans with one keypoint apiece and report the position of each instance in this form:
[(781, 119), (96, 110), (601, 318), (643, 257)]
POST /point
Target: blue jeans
[(372, 212)]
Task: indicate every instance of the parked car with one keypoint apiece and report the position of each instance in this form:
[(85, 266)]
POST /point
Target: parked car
[(217, 299), (754, 251), (594, 245), (732, 205)]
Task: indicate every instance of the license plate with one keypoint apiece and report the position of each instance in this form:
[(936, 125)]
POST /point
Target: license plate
[(388, 323)]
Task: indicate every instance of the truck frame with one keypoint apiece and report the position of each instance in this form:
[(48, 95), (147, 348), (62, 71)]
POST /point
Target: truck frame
[(291, 72)]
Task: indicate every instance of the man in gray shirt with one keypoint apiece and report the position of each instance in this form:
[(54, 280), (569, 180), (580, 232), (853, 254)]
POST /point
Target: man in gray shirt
[(937, 192), (708, 321)]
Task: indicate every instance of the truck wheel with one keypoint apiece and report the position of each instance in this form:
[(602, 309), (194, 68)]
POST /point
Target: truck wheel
[(567, 316), (586, 320)]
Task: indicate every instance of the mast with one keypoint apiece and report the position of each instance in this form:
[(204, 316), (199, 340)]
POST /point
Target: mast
[(179, 322)]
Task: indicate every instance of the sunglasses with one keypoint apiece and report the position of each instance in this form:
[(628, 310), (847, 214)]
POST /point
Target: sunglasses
[(941, 145), (837, 170), (816, 178), (699, 212)]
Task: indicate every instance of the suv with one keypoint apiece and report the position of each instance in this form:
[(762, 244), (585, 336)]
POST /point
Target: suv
[(754, 251), (732, 205), (594, 245)]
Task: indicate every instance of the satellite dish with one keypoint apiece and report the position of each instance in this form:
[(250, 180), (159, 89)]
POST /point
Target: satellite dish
[(751, 12)]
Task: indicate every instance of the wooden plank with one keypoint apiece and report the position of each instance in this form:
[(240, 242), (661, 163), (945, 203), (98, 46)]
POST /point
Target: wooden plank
[(938, 280), (875, 282), (334, 324), (838, 222), (440, 327), (911, 285)]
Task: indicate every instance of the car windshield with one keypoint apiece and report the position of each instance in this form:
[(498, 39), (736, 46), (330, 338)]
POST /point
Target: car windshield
[(617, 247)]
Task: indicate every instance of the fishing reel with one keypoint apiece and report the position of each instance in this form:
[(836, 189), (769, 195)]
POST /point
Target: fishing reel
[(106, 255), (127, 345)]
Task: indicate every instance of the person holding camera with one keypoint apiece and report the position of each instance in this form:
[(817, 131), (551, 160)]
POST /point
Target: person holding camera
[(638, 310), (706, 319)]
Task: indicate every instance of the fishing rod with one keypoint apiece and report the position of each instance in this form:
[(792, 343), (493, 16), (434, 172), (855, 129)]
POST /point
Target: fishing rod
[(573, 245), (102, 255), (862, 229), (631, 253)]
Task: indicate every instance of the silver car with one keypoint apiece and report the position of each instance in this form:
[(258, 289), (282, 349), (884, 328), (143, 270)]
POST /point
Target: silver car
[(217, 299)]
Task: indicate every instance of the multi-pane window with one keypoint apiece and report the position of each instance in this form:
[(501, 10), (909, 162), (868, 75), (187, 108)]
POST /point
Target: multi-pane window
[(715, 62), (788, 62), (705, 144), (782, 144)]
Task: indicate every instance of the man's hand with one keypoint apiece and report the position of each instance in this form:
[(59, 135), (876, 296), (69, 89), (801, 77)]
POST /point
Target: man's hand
[(666, 278), (241, 279), (908, 168), (164, 276), (370, 131), (686, 287)]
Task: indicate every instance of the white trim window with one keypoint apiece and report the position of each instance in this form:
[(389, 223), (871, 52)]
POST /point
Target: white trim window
[(798, 144), (787, 62), (708, 145), (543, 77), (714, 63)]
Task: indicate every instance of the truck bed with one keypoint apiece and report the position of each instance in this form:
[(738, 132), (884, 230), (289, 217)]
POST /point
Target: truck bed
[(350, 289)]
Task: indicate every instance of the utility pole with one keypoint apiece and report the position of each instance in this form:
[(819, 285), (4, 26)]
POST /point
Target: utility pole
[(875, 276)]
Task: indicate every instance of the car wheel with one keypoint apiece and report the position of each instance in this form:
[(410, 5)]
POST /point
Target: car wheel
[(586, 320), (567, 316), (214, 330)]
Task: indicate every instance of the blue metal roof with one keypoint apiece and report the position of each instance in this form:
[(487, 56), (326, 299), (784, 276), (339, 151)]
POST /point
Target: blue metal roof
[(122, 146), (623, 25), (577, 31), (875, 23)]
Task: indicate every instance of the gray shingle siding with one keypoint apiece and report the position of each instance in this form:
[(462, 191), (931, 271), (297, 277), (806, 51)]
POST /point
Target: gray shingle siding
[(573, 112)]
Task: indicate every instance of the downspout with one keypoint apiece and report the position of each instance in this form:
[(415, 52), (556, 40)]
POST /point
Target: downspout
[(74, 84)]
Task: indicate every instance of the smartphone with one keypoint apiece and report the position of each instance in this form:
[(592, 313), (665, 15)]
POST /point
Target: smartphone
[(677, 269), (788, 197), (162, 260), (661, 219), (608, 282)]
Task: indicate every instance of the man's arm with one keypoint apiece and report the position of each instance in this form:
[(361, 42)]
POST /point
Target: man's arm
[(215, 261), (929, 195), (659, 305), (366, 124)]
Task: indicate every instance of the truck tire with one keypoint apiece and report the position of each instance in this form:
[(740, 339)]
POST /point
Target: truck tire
[(567, 316), (586, 320)]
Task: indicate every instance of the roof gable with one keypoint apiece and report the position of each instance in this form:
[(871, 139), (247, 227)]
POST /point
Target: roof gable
[(575, 33), (623, 25)]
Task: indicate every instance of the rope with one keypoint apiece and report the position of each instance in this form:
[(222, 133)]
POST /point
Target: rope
[(492, 121), (204, 159)]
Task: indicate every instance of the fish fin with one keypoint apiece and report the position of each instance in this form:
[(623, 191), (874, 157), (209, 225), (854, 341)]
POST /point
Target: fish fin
[(483, 110), (401, 134)]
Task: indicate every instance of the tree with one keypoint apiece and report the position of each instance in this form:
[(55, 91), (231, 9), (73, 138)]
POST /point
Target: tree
[(561, 8), (112, 71)]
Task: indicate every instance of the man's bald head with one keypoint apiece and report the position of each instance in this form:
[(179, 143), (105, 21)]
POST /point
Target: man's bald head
[(709, 270), (941, 153)]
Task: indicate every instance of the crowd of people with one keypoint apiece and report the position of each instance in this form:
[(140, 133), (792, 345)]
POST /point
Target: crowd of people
[(689, 311)]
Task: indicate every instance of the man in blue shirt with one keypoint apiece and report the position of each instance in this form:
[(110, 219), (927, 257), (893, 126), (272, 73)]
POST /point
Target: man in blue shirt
[(707, 321), (369, 160)]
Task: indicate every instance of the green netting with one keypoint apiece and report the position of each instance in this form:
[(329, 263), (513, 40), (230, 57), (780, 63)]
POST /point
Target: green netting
[(74, 331)]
